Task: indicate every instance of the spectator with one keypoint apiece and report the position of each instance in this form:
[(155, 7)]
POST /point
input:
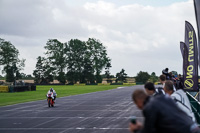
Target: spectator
[(151, 90), (174, 80), (180, 82), (161, 115), (180, 98), (170, 76), (165, 72), (162, 79)]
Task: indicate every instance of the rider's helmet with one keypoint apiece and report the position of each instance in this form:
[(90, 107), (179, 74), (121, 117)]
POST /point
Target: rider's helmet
[(51, 90)]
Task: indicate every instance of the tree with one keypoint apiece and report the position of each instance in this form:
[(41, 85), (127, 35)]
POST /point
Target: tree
[(153, 77), (9, 59), (39, 71), (76, 56), (142, 77), (88, 72), (121, 76), (43, 73), (23, 76), (49, 72), (107, 72), (2, 77), (29, 76), (98, 56), (56, 54), (9, 74), (75, 61), (19, 67)]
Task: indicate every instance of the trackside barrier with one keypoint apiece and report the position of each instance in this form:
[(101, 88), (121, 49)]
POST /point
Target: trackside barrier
[(92, 84), (195, 106), (139, 83), (116, 84), (104, 84), (4, 89), (129, 83), (33, 88), (79, 84), (27, 84), (22, 88)]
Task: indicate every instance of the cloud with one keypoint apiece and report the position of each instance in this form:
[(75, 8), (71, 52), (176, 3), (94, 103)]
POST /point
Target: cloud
[(137, 37)]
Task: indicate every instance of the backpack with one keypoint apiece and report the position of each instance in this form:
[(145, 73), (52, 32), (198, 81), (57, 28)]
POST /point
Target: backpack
[(160, 91), (184, 102)]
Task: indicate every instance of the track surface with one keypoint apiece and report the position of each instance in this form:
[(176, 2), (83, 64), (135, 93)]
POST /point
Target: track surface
[(98, 112)]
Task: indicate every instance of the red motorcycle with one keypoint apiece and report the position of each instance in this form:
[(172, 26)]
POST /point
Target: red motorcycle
[(50, 100)]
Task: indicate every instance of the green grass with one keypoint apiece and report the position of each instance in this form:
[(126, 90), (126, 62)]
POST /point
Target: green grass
[(21, 97)]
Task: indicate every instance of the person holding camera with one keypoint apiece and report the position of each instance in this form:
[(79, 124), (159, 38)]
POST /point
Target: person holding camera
[(166, 73), (161, 115)]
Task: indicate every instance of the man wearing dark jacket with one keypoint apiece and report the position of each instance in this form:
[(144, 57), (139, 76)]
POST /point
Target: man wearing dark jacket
[(152, 91), (180, 82), (161, 115)]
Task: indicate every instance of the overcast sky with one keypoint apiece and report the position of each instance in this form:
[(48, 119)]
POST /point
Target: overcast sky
[(139, 34)]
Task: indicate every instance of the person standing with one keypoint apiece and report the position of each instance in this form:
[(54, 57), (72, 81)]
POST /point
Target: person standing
[(162, 79), (152, 91), (166, 73), (180, 98), (161, 115)]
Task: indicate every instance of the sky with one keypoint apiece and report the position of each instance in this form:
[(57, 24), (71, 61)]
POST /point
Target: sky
[(140, 35)]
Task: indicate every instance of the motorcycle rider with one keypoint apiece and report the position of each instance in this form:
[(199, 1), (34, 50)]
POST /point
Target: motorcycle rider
[(54, 93)]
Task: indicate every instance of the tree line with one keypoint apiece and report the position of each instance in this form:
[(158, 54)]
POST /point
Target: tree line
[(74, 61)]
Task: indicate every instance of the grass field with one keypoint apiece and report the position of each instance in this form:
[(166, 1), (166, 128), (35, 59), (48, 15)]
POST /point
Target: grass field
[(21, 97)]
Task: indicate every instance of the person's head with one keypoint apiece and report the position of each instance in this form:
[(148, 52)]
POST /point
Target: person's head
[(169, 87), (166, 69), (51, 90), (179, 76), (139, 96), (162, 78), (149, 87), (170, 73)]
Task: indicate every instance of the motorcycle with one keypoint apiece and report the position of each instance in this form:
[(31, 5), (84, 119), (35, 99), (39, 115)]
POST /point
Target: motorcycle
[(50, 100)]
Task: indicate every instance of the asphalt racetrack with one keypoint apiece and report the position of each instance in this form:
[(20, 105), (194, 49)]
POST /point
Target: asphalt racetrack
[(98, 112)]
